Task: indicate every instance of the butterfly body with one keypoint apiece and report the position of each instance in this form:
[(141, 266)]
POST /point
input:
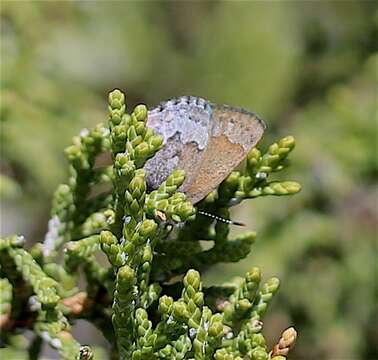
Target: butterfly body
[(205, 140)]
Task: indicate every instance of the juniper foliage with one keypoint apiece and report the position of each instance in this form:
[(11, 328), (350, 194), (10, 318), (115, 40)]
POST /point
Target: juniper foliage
[(148, 300)]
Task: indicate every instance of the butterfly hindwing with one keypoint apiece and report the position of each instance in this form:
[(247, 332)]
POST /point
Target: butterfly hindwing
[(234, 133)]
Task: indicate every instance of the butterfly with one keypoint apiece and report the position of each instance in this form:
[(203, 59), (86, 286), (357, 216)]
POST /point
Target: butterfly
[(205, 140)]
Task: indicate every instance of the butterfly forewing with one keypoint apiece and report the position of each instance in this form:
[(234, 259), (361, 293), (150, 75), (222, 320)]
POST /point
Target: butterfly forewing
[(206, 140), (185, 126)]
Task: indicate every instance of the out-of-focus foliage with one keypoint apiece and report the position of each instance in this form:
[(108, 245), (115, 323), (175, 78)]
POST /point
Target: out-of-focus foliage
[(324, 243), (308, 68)]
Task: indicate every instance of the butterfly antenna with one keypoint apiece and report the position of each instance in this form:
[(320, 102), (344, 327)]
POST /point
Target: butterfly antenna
[(218, 218)]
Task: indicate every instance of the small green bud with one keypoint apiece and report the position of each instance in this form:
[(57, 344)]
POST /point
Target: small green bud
[(186, 209), (287, 142), (165, 303), (147, 228), (119, 133), (12, 241), (179, 346), (216, 329), (258, 340), (192, 278), (107, 238), (141, 314), (137, 184), (272, 284), (259, 354), (198, 299), (126, 118), (155, 142), (232, 180), (147, 254), (254, 156), (179, 310), (177, 198), (212, 196), (116, 115), (142, 150), (140, 128), (176, 178), (116, 99), (176, 218), (243, 305), (140, 112), (72, 152), (254, 275), (126, 274), (291, 187)]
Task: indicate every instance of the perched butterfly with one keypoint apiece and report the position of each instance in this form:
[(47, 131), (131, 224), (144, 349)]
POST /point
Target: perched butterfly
[(205, 140)]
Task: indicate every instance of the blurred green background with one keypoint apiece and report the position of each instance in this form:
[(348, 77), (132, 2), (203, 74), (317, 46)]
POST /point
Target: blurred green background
[(308, 68)]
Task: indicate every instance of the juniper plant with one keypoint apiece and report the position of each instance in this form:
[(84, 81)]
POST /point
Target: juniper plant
[(148, 301)]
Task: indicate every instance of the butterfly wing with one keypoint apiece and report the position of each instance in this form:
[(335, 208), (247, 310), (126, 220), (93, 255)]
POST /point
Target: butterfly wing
[(185, 126), (234, 132)]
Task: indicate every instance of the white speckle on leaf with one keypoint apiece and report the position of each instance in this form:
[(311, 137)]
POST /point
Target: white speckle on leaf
[(56, 343), (261, 175), (229, 335), (192, 332), (34, 304), (84, 132), (52, 235), (234, 201), (206, 325), (105, 131)]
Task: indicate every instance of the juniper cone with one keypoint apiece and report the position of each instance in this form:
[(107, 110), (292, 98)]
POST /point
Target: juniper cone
[(137, 298)]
